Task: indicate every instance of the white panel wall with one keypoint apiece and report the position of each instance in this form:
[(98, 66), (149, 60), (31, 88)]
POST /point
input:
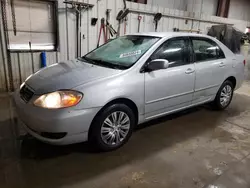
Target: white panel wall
[(205, 6), (22, 64), (239, 9), (172, 4)]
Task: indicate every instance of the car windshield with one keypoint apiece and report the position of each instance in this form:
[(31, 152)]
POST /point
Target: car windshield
[(121, 53)]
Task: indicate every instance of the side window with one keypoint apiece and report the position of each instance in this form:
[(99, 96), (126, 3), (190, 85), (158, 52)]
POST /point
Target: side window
[(175, 51), (205, 50)]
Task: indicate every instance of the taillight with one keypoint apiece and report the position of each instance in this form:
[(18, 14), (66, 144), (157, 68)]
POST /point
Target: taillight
[(244, 62)]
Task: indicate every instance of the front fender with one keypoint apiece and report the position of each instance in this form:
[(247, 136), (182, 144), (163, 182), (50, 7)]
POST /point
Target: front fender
[(101, 92)]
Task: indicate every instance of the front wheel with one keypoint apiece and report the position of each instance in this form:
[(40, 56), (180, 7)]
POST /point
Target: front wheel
[(112, 127), (224, 95)]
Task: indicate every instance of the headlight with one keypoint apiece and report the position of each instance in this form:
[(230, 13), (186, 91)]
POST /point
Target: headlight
[(59, 99)]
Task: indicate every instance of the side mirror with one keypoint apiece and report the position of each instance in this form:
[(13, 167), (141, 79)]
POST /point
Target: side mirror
[(157, 64)]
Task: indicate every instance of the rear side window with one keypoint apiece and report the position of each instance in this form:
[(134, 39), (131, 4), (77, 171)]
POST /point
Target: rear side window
[(206, 49), (175, 51)]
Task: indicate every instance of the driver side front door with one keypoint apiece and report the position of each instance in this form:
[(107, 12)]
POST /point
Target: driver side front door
[(170, 89)]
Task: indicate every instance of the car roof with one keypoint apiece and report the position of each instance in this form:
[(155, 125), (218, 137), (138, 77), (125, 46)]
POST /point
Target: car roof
[(170, 34), (179, 34)]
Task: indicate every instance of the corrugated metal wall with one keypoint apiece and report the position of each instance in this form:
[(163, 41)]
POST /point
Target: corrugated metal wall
[(235, 6), (172, 4), (205, 6), (24, 63)]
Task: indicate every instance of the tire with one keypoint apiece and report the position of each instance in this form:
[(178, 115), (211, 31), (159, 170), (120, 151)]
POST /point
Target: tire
[(102, 134), (227, 88)]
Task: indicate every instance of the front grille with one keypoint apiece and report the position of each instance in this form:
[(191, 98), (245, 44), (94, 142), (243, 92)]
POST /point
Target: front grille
[(26, 94)]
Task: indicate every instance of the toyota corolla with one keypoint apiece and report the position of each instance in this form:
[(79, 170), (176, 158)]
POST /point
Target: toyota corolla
[(103, 95)]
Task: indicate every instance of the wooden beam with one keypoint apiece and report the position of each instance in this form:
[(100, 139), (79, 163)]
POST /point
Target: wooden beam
[(223, 8)]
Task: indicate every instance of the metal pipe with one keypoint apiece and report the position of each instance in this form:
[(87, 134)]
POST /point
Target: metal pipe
[(19, 68), (27, 31), (201, 12), (77, 34), (6, 37), (13, 14), (67, 30), (80, 34), (85, 5), (174, 16), (189, 30), (2, 36), (32, 58), (87, 32)]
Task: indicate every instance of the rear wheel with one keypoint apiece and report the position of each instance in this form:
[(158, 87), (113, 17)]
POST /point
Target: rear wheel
[(224, 96), (112, 127)]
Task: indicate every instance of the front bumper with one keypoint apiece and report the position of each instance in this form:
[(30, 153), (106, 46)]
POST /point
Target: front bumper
[(74, 124)]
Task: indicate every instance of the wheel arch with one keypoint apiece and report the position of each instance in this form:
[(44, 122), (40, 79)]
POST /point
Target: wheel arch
[(125, 101), (233, 80)]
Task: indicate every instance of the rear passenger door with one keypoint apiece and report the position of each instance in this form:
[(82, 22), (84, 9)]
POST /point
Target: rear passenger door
[(210, 65)]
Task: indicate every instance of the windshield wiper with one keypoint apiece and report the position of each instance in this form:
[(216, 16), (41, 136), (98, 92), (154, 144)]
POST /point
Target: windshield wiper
[(88, 60), (102, 63)]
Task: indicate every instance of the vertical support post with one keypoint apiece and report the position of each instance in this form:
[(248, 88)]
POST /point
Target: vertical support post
[(223, 8)]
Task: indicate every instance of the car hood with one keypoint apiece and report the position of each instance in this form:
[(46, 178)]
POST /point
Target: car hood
[(67, 75)]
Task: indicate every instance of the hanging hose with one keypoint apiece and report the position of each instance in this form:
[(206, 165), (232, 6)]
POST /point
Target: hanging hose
[(125, 4)]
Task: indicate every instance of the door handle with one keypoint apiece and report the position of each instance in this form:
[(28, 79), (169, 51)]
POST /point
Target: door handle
[(189, 71), (222, 64)]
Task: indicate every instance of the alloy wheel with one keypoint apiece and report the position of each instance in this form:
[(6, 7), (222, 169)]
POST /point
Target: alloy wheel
[(225, 96), (115, 128)]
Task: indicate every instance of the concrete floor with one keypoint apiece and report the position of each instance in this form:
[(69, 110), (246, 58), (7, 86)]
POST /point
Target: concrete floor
[(195, 148)]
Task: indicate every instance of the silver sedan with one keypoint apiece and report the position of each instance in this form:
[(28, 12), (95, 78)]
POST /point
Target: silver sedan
[(103, 95)]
